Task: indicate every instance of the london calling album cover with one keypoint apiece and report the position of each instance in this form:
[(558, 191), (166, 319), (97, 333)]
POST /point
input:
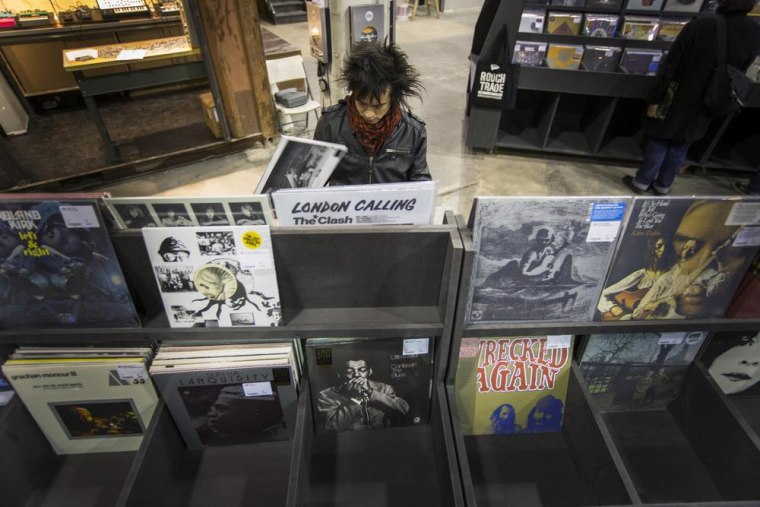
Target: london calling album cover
[(637, 370), (215, 276), (59, 268), (541, 258), (364, 384), (733, 361), (300, 163), (680, 258), (511, 385)]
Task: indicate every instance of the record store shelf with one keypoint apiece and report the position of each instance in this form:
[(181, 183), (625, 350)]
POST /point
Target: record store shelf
[(704, 449)]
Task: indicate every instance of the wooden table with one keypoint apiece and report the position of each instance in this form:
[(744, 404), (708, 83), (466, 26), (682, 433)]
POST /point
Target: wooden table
[(156, 50)]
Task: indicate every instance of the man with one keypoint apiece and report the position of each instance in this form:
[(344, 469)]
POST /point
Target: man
[(358, 403), (386, 143)]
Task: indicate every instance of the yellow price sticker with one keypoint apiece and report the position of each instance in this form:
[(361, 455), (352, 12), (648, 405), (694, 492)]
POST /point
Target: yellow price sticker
[(252, 239)]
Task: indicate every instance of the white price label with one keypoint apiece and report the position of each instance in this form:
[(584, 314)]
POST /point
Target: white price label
[(79, 217), (132, 372), (602, 232), (562, 341), (416, 346), (749, 236), (671, 338), (257, 389), (744, 213)]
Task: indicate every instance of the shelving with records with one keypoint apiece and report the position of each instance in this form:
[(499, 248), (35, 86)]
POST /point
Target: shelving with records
[(585, 70)]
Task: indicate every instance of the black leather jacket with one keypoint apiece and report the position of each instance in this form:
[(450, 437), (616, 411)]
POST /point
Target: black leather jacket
[(401, 158)]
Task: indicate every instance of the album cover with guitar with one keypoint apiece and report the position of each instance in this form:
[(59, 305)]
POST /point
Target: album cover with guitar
[(541, 258), (681, 258)]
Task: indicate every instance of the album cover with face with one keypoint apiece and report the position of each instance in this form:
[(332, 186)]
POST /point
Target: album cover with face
[(541, 258), (369, 384), (509, 385), (630, 371), (215, 276), (681, 258), (733, 361)]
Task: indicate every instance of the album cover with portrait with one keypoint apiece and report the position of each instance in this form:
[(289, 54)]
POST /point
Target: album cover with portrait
[(634, 371), (86, 405), (681, 258), (367, 384), (511, 385), (230, 405), (746, 303), (59, 268), (733, 361), (215, 276), (541, 258)]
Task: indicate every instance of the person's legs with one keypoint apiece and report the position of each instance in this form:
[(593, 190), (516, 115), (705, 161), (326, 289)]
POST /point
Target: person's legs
[(675, 156), (654, 156), (753, 186)]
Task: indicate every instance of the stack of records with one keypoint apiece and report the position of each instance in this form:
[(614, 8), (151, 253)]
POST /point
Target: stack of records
[(669, 29), (508, 385), (229, 394), (640, 61), (569, 3), (363, 384), (532, 21), (600, 25), (604, 4), (637, 371), (601, 59), (564, 23), (530, 54), (640, 28), (644, 5), (683, 5), (564, 56), (733, 361), (86, 400)]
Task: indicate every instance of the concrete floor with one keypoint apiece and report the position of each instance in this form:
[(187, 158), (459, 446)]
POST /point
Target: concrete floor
[(439, 49)]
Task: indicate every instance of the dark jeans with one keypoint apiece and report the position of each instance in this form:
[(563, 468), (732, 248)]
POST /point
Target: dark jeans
[(662, 158), (753, 186)]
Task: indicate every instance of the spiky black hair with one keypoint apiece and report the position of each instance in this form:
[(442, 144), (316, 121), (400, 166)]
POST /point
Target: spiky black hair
[(373, 66)]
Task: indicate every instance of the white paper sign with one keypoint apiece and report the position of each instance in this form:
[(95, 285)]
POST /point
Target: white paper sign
[(671, 338), (257, 389), (749, 236), (79, 217), (744, 213), (79, 53), (132, 372), (397, 204), (558, 342), (416, 346), (131, 54)]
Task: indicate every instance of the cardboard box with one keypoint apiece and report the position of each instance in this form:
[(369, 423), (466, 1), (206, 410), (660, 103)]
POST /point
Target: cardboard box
[(209, 113)]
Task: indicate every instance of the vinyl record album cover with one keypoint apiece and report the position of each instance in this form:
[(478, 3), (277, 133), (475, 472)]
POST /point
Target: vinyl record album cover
[(746, 303), (230, 406), (569, 3), (637, 370), (532, 21), (669, 29), (680, 258), (644, 5), (511, 385), (564, 56), (636, 28), (604, 4), (597, 25), (564, 23), (215, 276), (541, 258), (683, 5), (300, 163), (59, 268), (368, 384), (83, 407), (733, 361), (641, 61), (530, 54), (601, 59)]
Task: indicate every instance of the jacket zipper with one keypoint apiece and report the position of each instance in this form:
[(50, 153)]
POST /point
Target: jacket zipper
[(370, 168)]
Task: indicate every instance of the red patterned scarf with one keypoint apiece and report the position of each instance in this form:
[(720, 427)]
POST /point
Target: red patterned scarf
[(372, 135)]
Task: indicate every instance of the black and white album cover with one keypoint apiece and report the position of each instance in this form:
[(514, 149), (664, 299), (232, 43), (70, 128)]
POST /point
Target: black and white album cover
[(300, 163), (365, 384), (541, 258), (637, 370), (215, 276), (733, 361)]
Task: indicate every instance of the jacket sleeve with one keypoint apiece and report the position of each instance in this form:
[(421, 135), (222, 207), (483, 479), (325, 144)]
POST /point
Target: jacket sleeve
[(321, 130), (670, 66), (419, 170)]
